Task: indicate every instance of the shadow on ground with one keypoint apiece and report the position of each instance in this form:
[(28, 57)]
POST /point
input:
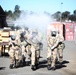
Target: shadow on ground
[(62, 65), (5, 55), (43, 64), (2, 68)]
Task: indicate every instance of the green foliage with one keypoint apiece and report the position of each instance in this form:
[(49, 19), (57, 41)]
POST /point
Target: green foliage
[(72, 17), (65, 15), (74, 12), (57, 15), (14, 15)]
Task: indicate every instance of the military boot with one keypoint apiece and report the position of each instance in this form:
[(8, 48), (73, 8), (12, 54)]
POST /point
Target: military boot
[(49, 66), (23, 60), (33, 67), (11, 66), (17, 63), (53, 68), (49, 63), (60, 60), (56, 61), (37, 63)]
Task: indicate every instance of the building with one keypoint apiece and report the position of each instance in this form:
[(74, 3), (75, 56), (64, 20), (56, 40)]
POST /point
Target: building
[(3, 22)]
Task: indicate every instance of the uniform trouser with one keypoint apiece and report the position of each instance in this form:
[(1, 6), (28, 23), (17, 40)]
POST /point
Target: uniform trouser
[(60, 53), (35, 53), (28, 49), (14, 55), (24, 51), (51, 56), (38, 56)]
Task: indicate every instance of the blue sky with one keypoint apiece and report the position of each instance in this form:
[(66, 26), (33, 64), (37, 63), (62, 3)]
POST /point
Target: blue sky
[(50, 6)]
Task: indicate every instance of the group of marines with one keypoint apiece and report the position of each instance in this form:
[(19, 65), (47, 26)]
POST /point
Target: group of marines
[(26, 42)]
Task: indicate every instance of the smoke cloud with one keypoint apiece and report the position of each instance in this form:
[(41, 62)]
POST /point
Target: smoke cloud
[(34, 21), (38, 21)]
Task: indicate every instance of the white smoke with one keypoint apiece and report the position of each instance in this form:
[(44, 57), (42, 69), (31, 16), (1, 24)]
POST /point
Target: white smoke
[(34, 21), (38, 21)]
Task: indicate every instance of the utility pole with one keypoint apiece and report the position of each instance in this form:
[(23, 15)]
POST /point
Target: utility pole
[(61, 12)]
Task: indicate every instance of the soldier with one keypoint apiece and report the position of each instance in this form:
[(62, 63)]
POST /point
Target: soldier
[(23, 46), (14, 52), (53, 41), (28, 47), (35, 50)]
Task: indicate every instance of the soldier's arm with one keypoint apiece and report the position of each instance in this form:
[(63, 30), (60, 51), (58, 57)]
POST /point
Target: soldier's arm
[(55, 45), (28, 41), (10, 43)]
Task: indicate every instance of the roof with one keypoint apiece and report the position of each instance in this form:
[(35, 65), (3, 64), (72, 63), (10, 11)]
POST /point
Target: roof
[(2, 13)]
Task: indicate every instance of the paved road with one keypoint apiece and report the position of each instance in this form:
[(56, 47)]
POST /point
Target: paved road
[(68, 68)]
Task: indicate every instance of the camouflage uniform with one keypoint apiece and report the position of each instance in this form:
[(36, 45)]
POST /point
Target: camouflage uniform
[(14, 52), (28, 47), (35, 49), (25, 46), (53, 41)]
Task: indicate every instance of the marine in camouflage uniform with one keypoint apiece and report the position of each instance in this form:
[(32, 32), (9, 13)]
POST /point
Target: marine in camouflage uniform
[(28, 46), (25, 45), (35, 49), (52, 40), (14, 52)]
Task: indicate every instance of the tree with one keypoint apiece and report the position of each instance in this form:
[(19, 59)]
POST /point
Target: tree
[(17, 12), (16, 8), (65, 15), (74, 12), (57, 15), (72, 17), (9, 13)]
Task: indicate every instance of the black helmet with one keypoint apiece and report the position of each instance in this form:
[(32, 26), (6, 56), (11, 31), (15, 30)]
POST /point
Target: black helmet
[(22, 34), (53, 33)]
